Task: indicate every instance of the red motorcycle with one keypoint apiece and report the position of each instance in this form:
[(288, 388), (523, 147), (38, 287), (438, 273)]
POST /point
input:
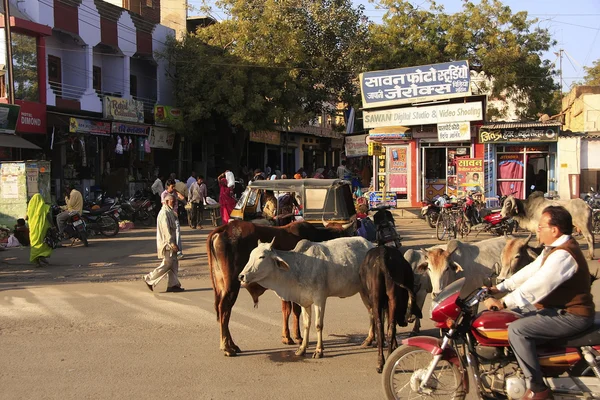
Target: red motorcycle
[(475, 350), (494, 223)]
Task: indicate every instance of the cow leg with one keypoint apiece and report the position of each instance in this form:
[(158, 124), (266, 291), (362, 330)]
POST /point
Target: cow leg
[(319, 315), (228, 299), (420, 299), (306, 320), (297, 311), (378, 316), (286, 310), (369, 340), (589, 237), (393, 341)]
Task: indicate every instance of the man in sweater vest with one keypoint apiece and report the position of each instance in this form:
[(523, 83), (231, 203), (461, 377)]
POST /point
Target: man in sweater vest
[(554, 294)]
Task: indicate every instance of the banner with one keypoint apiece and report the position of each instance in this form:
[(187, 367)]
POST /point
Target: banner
[(376, 198), (268, 137), (161, 138), (356, 146), (504, 135), (32, 118), (415, 84), (470, 174), (454, 132), (9, 115), (130, 129), (397, 160), (118, 109), (165, 115), (458, 112), (80, 125)]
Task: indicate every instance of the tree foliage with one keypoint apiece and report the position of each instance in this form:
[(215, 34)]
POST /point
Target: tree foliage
[(592, 74), (25, 67), (506, 46)]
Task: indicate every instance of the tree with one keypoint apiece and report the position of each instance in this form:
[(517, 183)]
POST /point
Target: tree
[(592, 74), (25, 67), (271, 64), (507, 47)]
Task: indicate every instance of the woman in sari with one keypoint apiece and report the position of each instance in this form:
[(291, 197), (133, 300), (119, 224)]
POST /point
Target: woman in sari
[(38, 215), (226, 199)]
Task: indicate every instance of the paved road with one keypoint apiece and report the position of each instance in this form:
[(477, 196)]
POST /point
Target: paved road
[(81, 329)]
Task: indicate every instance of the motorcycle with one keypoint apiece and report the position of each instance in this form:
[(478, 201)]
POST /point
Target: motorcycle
[(386, 227), (494, 223), (431, 210), (103, 221), (137, 208), (475, 347), (75, 229), (592, 198)]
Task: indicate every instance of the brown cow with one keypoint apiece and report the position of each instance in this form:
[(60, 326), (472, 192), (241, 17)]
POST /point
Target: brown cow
[(387, 284), (228, 249), (516, 254)]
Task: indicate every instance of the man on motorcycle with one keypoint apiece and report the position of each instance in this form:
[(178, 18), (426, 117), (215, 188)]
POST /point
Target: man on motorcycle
[(74, 205), (555, 292)]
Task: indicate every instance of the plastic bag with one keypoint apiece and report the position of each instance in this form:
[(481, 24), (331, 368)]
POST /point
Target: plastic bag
[(230, 179), (210, 201), (13, 241)]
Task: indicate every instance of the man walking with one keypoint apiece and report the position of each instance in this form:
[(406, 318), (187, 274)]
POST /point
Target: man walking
[(157, 189), (166, 246), (196, 197), (171, 191)]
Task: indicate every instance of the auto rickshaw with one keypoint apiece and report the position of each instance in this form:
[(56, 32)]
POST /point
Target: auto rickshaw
[(317, 201)]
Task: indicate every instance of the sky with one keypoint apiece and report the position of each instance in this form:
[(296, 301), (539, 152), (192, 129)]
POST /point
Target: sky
[(574, 24)]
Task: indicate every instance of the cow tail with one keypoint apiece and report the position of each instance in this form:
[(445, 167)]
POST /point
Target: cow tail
[(210, 252)]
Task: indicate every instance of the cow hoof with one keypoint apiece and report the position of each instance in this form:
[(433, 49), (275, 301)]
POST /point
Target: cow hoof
[(379, 369), (298, 340), (229, 353), (318, 354), (367, 343), (300, 352), (287, 340)]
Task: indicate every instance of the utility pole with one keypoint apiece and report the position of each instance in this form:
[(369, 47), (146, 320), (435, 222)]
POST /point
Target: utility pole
[(10, 92), (560, 56)]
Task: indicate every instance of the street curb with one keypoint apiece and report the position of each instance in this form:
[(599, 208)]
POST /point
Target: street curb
[(406, 213)]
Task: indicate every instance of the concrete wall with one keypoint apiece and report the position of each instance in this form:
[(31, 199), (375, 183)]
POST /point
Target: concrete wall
[(568, 162), (173, 14)]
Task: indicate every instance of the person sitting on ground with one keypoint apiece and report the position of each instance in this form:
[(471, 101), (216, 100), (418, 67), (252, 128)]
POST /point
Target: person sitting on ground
[(21, 232)]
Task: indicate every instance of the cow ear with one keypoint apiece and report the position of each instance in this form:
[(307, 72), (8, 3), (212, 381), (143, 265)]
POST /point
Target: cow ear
[(282, 264), (457, 267), (423, 267), (452, 246)]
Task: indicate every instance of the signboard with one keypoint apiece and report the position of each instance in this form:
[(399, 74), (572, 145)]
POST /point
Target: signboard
[(268, 137), (119, 109), (375, 149), (130, 129), (382, 137), (161, 138), (32, 181), (398, 160), (32, 118), (9, 114), (454, 132), (470, 174), (415, 84), (376, 198), (443, 113), (80, 125), (504, 135), (165, 115), (356, 146)]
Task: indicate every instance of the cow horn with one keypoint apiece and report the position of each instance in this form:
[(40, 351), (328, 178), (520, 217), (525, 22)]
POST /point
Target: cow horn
[(325, 223), (349, 224), (528, 238)]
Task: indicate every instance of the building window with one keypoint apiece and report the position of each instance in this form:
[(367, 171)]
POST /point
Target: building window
[(25, 67), (97, 78), (55, 75), (133, 85)]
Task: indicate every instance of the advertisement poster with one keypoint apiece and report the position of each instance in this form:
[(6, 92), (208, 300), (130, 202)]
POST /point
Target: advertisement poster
[(10, 186), (165, 115), (32, 181), (470, 175), (9, 116), (161, 138), (397, 160)]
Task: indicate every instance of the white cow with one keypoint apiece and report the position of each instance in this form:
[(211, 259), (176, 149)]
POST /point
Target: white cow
[(475, 261), (308, 275)]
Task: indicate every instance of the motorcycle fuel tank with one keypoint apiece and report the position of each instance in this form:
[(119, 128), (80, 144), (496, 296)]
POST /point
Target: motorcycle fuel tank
[(490, 328), (493, 218)]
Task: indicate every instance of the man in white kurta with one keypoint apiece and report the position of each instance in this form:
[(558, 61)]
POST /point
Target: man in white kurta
[(166, 246)]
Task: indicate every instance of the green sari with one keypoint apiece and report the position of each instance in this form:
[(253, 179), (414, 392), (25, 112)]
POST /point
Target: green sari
[(37, 216)]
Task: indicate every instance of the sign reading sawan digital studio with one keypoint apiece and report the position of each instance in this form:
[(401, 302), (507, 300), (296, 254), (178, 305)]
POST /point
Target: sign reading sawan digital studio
[(415, 84), (460, 112)]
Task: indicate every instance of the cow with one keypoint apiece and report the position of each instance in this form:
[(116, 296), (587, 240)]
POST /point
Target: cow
[(475, 261), (528, 213), (228, 251), (308, 275), (387, 284), (516, 254)]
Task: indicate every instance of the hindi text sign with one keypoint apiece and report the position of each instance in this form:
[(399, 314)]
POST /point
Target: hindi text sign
[(506, 135), (454, 132), (470, 174)]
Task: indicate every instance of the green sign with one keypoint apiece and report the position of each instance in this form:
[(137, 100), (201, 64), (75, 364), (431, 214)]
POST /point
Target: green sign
[(9, 115)]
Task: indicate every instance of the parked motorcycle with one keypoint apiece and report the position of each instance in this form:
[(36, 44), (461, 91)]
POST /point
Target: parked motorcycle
[(476, 349), (138, 208), (103, 221), (494, 223), (386, 227), (75, 229), (431, 210)]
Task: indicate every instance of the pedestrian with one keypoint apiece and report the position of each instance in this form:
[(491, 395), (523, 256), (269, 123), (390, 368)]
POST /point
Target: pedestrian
[(258, 175), (74, 205), (226, 199), (191, 180), (38, 216), (171, 191), (343, 172), (157, 189), (173, 176), (197, 198), (167, 249)]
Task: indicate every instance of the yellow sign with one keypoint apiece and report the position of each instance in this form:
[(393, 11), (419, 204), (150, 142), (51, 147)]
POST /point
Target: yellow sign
[(119, 109), (375, 149)]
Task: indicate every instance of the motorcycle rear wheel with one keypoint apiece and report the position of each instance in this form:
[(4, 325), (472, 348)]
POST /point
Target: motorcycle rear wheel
[(401, 372), (83, 238), (145, 218), (108, 225), (432, 219)]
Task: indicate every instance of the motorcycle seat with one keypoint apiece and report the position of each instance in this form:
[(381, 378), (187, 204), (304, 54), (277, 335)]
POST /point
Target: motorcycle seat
[(590, 337), (99, 211)]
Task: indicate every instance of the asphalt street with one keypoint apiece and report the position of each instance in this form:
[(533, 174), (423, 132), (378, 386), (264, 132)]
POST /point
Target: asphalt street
[(88, 328)]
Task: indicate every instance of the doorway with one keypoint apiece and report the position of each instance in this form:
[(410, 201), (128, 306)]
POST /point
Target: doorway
[(438, 168)]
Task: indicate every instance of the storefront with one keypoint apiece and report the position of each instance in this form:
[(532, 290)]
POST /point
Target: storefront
[(520, 158), (356, 151)]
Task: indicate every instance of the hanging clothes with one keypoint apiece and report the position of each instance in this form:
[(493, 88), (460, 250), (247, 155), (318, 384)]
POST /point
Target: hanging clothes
[(119, 147)]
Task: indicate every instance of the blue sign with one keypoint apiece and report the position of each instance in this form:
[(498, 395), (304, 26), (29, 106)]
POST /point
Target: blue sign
[(415, 84)]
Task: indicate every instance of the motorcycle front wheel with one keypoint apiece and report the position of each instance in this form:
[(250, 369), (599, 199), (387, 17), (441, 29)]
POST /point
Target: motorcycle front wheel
[(108, 226), (145, 218), (432, 219), (404, 369)]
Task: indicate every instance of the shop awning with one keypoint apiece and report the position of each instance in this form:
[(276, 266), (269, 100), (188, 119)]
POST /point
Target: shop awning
[(15, 141)]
